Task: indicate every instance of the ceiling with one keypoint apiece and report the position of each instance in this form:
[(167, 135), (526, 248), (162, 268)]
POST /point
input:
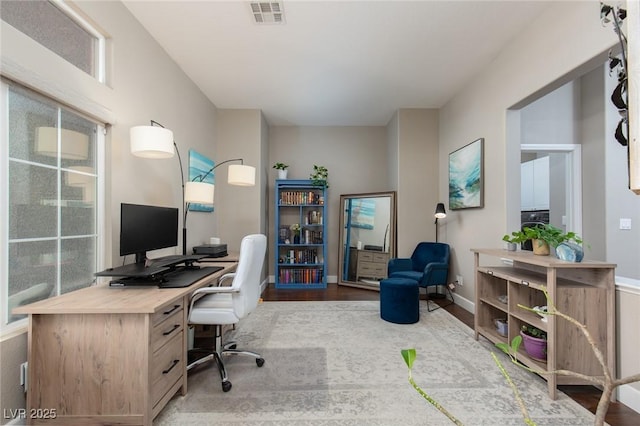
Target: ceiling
[(334, 63)]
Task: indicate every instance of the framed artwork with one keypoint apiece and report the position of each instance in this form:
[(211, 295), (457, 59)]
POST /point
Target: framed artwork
[(363, 212), (199, 165), (466, 176)]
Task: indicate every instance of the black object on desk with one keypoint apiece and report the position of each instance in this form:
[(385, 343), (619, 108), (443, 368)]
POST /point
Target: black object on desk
[(178, 277), (211, 250), (152, 267)]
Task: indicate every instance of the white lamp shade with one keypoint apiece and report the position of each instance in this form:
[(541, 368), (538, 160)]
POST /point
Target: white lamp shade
[(73, 145), (151, 142), (198, 192), (81, 178), (242, 175)]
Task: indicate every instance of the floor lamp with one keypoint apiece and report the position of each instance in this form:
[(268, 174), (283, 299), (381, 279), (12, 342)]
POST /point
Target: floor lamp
[(156, 141), (439, 214)]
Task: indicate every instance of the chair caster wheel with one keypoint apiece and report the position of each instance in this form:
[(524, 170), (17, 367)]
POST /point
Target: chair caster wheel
[(259, 362), (226, 386)]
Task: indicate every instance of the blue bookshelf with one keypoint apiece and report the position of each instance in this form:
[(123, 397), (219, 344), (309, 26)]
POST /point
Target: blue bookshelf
[(300, 261)]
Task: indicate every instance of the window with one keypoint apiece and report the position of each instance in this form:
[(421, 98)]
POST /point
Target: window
[(58, 28), (50, 181)]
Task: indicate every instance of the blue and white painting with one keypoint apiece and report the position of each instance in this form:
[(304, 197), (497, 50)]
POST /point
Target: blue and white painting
[(199, 165), (363, 213), (466, 176)]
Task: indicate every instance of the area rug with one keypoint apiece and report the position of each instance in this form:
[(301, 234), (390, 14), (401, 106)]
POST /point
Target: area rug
[(339, 363)]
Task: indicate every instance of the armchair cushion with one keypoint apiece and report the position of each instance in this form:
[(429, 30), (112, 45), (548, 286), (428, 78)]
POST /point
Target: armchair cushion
[(398, 265)]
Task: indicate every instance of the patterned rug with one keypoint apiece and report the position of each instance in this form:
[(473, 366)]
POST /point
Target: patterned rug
[(339, 363)]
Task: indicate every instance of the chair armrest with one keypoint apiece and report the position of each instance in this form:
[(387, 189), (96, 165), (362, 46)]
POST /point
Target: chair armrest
[(225, 277), (435, 273), (399, 264), (201, 292)]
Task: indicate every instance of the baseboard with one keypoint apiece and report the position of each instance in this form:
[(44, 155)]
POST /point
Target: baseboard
[(629, 396), (464, 303)]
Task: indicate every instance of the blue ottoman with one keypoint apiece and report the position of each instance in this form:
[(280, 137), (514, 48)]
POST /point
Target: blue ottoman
[(399, 300)]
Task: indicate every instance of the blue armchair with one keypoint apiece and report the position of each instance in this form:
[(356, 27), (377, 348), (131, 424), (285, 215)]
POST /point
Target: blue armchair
[(428, 265)]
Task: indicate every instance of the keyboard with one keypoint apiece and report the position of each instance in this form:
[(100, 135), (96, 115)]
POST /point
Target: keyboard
[(185, 276)]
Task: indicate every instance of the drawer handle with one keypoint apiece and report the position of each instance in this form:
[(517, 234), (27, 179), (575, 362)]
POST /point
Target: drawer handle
[(175, 327), (490, 272), (523, 282), (171, 310), (175, 362)]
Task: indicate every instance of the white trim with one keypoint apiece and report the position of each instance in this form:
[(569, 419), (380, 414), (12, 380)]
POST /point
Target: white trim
[(14, 329), (465, 303), (100, 61), (4, 201), (628, 285), (629, 396), (574, 179), (71, 87)]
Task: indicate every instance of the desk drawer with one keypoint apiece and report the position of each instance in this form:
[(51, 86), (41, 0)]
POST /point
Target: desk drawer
[(165, 331), (167, 312), (166, 367)]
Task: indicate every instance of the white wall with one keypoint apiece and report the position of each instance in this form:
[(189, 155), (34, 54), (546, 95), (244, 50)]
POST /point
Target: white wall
[(522, 70), (566, 41), (144, 84), (238, 209), (417, 178), (355, 157)]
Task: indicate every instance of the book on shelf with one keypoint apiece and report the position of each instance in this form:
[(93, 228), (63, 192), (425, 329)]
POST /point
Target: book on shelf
[(299, 197)]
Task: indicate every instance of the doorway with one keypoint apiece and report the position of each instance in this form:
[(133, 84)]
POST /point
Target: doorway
[(565, 183)]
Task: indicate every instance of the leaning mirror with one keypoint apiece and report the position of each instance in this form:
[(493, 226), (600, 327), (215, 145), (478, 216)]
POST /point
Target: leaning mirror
[(367, 238)]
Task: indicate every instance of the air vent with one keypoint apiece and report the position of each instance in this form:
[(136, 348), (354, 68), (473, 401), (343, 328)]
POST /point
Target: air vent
[(267, 12)]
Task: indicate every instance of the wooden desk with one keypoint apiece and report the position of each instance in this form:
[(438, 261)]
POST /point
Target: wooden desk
[(104, 355)]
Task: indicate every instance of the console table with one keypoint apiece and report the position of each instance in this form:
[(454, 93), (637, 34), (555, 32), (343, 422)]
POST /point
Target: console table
[(104, 355), (585, 291)]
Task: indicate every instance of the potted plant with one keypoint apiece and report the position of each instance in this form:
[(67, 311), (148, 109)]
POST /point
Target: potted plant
[(543, 236), (319, 176), (282, 170), (514, 239), (535, 342), (295, 228)]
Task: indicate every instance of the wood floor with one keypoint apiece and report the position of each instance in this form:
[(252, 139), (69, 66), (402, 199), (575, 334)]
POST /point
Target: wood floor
[(587, 396)]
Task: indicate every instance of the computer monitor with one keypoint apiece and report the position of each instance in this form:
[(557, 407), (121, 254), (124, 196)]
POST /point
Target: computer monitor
[(145, 228)]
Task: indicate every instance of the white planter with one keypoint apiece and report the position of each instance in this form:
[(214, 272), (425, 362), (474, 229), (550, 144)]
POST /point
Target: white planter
[(282, 174)]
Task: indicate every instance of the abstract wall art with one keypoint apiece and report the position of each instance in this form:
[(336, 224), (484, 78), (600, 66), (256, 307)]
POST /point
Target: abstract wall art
[(466, 176)]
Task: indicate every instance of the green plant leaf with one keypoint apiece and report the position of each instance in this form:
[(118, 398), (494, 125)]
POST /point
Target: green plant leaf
[(503, 347), (409, 356), (515, 343)]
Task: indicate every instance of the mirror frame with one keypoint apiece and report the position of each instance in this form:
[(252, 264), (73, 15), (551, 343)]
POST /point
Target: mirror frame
[(392, 234)]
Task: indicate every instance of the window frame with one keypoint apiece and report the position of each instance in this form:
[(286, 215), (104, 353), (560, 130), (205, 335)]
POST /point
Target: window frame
[(8, 330), (100, 57)]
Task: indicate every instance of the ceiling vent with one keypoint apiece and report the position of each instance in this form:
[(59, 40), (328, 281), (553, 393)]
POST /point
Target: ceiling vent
[(267, 12)]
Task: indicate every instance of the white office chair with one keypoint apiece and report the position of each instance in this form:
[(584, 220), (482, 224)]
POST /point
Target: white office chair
[(224, 305)]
